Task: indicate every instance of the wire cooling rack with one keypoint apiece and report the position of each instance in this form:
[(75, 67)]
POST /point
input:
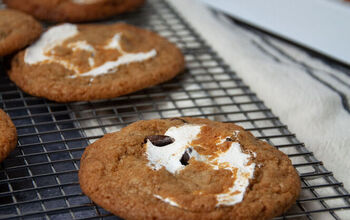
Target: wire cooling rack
[(39, 179)]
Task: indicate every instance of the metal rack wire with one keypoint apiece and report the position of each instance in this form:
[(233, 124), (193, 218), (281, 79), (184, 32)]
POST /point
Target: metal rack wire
[(39, 179)]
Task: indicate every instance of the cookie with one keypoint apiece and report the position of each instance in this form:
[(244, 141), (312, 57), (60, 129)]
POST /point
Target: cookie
[(8, 137), (73, 10), (87, 62), (188, 168), (17, 30)]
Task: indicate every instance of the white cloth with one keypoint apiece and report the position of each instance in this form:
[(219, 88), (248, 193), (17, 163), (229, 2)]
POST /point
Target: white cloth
[(311, 97)]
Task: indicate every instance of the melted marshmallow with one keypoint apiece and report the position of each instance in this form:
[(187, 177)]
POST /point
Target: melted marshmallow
[(126, 58), (112, 66), (50, 39), (114, 43), (167, 200), (81, 45), (57, 35), (169, 156), (233, 159)]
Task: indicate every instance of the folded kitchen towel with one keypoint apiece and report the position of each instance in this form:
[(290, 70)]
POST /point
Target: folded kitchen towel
[(309, 95)]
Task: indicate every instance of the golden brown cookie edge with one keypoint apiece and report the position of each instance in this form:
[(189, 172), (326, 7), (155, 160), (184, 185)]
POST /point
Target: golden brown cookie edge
[(9, 135)]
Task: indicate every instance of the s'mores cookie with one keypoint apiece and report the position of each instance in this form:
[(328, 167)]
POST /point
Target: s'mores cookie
[(73, 10), (17, 30), (188, 168), (87, 62)]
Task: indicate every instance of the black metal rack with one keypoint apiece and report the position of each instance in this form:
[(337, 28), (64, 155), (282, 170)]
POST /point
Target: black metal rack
[(39, 179)]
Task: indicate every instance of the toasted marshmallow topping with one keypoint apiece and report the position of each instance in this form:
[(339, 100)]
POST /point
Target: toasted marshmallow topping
[(42, 51), (112, 66), (114, 44), (234, 159), (171, 157), (55, 36), (81, 45), (167, 200)]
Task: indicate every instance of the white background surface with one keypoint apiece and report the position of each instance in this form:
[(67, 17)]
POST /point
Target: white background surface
[(322, 25)]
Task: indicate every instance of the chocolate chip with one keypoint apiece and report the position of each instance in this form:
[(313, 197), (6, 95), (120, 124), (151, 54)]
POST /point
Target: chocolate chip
[(180, 119), (185, 158), (160, 140), (229, 139)]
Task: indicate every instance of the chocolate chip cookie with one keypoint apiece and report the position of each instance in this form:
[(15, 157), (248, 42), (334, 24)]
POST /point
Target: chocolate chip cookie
[(73, 10), (87, 62), (17, 30), (8, 137), (188, 168)]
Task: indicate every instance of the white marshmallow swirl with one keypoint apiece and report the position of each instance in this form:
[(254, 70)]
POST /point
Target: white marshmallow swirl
[(169, 156), (50, 39), (233, 159), (167, 200), (40, 51)]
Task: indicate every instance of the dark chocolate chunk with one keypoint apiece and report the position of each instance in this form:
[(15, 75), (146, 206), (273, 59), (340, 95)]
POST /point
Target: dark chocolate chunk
[(185, 158), (229, 139), (160, 140)]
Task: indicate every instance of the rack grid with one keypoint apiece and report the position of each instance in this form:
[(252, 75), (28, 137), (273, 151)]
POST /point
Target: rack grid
[(39, 179)]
